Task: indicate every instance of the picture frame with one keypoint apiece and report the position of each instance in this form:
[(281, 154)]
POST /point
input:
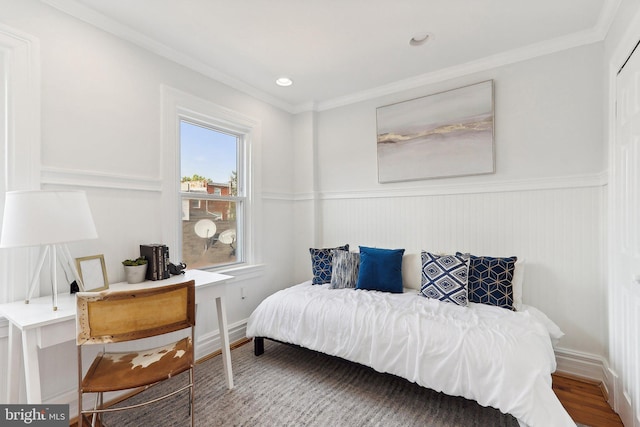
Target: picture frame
[(93, 273), (445, 134)]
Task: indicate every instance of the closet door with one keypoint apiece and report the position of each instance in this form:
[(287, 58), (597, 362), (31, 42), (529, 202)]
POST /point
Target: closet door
[(625, 257)]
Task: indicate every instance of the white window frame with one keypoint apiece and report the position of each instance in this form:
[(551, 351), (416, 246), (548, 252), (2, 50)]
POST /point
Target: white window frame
[(240, 199), (177, 106)]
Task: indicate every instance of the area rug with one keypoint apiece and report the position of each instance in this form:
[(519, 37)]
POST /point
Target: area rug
[(291, 386)]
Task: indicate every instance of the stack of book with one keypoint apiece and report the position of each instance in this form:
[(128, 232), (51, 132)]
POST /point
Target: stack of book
[(157, 256)]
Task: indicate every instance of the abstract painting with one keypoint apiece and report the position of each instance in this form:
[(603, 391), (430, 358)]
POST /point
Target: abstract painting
[(446, 134)]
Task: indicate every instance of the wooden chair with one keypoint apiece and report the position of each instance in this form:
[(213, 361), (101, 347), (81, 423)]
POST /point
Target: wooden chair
[(117, 316)]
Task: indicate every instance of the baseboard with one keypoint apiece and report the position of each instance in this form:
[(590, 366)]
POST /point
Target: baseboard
[(587, 366), (594, 368), (210, 343)]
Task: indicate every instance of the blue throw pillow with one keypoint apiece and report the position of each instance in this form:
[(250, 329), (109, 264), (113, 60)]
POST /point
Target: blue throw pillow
[(321, 260), (444, 277), (490, 280), (380, 269)]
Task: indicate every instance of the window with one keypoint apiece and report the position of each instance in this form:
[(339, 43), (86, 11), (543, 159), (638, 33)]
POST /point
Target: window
[(211, 194), (234, 207)]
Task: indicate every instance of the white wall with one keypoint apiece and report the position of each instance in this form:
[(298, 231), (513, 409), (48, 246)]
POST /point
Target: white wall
[(305, 223), (545, 203), (101, 132)]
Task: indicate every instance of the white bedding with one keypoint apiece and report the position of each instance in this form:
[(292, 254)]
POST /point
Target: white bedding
[(494, 356)]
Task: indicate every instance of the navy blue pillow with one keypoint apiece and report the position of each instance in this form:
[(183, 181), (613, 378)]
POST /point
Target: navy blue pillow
[(490, 280), (380, 269), (321, 263)]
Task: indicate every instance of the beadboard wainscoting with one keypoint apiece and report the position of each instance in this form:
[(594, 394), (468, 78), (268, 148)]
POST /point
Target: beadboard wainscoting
[(4, 347), (558, 231)]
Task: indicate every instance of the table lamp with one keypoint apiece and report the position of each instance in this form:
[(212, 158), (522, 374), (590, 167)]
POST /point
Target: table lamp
[(48, 219)]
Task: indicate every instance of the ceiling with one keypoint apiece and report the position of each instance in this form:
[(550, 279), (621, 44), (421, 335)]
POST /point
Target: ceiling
[(342, 51)]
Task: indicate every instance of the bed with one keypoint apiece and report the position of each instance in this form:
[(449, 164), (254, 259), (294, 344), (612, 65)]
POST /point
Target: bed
[(499, 358)]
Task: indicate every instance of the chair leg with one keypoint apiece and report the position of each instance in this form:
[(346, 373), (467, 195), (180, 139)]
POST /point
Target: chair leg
[(80, 416), (94, 416), (191, 396), (80, 394)]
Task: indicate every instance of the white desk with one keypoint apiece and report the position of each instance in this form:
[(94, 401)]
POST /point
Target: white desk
[(36, 325)]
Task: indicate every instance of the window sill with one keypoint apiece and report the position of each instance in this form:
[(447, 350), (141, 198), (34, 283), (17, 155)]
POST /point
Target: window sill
[(243, 272)]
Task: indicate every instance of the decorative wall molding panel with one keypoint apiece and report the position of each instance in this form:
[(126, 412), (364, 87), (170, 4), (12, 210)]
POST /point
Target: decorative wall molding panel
[(83, 178), (479, 187), (579, 181)]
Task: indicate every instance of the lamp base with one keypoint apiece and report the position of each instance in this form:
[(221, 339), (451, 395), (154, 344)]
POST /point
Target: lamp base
[(55, 308), (51, 250)]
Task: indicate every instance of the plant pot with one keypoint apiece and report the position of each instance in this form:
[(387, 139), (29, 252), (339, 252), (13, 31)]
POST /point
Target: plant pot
[(135, 273)]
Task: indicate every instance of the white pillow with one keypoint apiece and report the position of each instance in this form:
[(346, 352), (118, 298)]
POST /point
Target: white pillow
[(516, 284), (412, 271)]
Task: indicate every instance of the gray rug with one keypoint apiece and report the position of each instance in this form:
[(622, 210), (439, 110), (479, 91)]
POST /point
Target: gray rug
[(290, 386)]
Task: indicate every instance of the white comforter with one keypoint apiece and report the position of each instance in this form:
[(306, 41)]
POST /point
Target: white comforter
[(494, 356)]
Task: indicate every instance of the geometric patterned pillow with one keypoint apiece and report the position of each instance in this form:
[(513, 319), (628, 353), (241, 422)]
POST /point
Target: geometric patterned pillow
[(444, 277), (344, 270), (321, 264), (490, 280)]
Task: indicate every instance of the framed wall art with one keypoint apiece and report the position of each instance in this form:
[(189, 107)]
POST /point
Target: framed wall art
[(93, 273), (445, 134)]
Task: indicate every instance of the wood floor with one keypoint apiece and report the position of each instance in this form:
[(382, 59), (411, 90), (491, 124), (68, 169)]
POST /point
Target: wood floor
[(585, 402)]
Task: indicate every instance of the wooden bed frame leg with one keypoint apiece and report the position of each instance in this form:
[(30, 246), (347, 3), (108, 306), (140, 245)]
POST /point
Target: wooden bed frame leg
[(258, 346)]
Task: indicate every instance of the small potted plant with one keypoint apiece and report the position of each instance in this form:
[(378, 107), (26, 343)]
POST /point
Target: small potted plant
[(135, 269)]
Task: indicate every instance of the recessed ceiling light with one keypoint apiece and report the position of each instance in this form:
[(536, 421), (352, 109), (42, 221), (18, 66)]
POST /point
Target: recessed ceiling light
[(419, 39), (284, 81)]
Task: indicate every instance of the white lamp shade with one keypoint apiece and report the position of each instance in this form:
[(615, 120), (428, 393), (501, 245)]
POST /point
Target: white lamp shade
[(33, 218)]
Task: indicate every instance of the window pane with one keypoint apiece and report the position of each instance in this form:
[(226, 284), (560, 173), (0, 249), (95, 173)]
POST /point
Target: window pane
[(209, 232), (209, 162), (207, 156)]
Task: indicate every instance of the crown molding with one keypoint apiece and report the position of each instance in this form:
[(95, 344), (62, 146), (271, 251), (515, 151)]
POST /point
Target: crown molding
[(606, 18), (96, 19), (597, 33), (586, 37), (490, 62)]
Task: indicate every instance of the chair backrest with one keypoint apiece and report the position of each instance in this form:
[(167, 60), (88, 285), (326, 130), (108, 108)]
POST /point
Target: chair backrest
[(116, 316)]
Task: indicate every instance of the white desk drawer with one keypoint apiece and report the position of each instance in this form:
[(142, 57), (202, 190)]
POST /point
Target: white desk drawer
[(57, 333)]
